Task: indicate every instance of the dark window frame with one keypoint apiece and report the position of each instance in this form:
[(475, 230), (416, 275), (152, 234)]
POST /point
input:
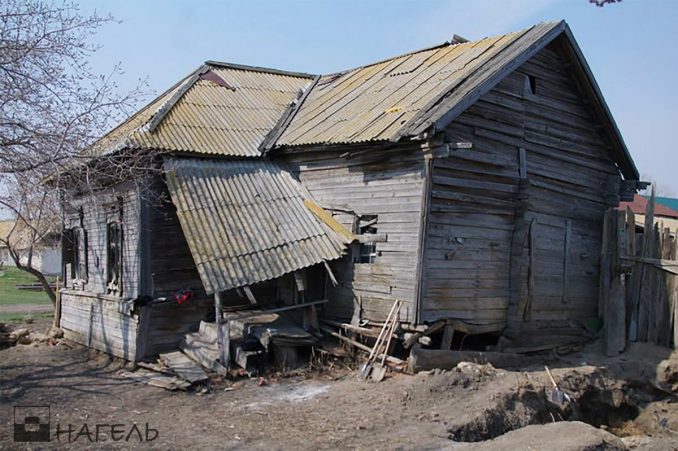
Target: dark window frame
[(365, 252), (114, 250), (75, 250)]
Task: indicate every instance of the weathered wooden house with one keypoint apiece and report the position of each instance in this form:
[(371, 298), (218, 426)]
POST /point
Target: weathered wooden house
[(470, 179)]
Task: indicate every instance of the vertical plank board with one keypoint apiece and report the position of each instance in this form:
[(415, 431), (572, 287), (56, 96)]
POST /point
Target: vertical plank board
[(615, 319), (522, 162), (526, 302), (665, 290), (566, 261), (223, 344), (654, 290), (645, 303), (605, 266)]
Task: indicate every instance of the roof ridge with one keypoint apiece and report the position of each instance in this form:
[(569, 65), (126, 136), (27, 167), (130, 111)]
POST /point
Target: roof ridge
[(168, 104), (267, 70), (451, 42)]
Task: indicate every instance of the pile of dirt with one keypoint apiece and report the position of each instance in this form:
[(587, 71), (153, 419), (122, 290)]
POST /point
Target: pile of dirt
[(560, 436), (494, 402)]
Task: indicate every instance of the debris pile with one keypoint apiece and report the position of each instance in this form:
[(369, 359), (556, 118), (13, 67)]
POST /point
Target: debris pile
[(24, 336)]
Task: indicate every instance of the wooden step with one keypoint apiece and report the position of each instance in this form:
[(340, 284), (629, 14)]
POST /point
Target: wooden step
[(183, 366), (209, 331), (202, 352), (251, 360)]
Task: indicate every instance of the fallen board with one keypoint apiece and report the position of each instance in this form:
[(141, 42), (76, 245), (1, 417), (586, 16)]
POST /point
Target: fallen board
[(183, 366), (155, 379)]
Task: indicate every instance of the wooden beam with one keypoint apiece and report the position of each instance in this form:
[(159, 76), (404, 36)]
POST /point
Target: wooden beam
[(522, 161), (223, 339), (328, 220), (275, 310), (362, 347), (372, 238), (448, 335), (250, 296), (330, 274)]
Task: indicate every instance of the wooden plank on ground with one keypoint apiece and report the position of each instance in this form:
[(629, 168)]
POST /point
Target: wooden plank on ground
[(183, 366), (155, 379)]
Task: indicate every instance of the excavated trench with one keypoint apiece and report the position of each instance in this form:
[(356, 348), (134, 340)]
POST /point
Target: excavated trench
[(593, 399)]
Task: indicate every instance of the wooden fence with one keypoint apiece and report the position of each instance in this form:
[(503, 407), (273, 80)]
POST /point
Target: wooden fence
[(638, 289)]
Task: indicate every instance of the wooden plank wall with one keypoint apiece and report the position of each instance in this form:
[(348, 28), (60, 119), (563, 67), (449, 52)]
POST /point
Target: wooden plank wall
[(171, 265), (470, 224), (98, 323), (572, 181), (94, 221), (370, 181), (481, 196)]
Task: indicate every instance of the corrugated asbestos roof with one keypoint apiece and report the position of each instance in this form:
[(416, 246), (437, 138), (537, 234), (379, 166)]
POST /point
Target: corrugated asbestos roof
[(204, 116), (379, 101), (245, 221)]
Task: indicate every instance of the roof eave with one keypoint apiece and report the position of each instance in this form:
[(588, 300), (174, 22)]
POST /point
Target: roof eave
[(628, 168)]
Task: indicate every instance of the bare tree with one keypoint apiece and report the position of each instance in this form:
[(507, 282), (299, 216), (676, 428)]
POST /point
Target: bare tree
[(52, 106), (660, 189)]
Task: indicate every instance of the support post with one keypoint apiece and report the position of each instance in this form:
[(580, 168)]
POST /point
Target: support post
[(448, 334), (223, 340), (57, 306)]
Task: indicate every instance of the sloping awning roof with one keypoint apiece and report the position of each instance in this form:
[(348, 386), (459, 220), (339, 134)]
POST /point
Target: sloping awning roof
[(245, 221), (219, 109)]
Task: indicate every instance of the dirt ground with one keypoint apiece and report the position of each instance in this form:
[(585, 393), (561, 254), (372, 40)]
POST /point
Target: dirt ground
[(470, 407)]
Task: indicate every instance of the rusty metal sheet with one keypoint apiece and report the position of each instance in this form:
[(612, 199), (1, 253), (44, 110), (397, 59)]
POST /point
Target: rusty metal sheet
[(245, 221)]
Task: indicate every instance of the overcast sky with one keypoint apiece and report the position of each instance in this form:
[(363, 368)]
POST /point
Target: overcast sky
[(631, 46)]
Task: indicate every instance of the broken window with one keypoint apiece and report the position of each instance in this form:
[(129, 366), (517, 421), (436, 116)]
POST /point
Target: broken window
[(75, 252), (365, 251), (114, 258), (114, 241), (530, 87)]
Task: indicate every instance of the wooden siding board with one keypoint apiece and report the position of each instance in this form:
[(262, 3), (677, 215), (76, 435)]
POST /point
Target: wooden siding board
[(474, 201), (95, 322), (389, 186)]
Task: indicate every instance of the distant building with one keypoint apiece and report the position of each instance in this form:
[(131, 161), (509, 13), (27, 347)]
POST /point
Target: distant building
[(46, 254), (663, 214)]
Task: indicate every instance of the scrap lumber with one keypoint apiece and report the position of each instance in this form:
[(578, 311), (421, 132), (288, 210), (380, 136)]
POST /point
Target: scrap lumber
[(362, 347), (183, 366), (155, 379), (157, 367), (269, 328)]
